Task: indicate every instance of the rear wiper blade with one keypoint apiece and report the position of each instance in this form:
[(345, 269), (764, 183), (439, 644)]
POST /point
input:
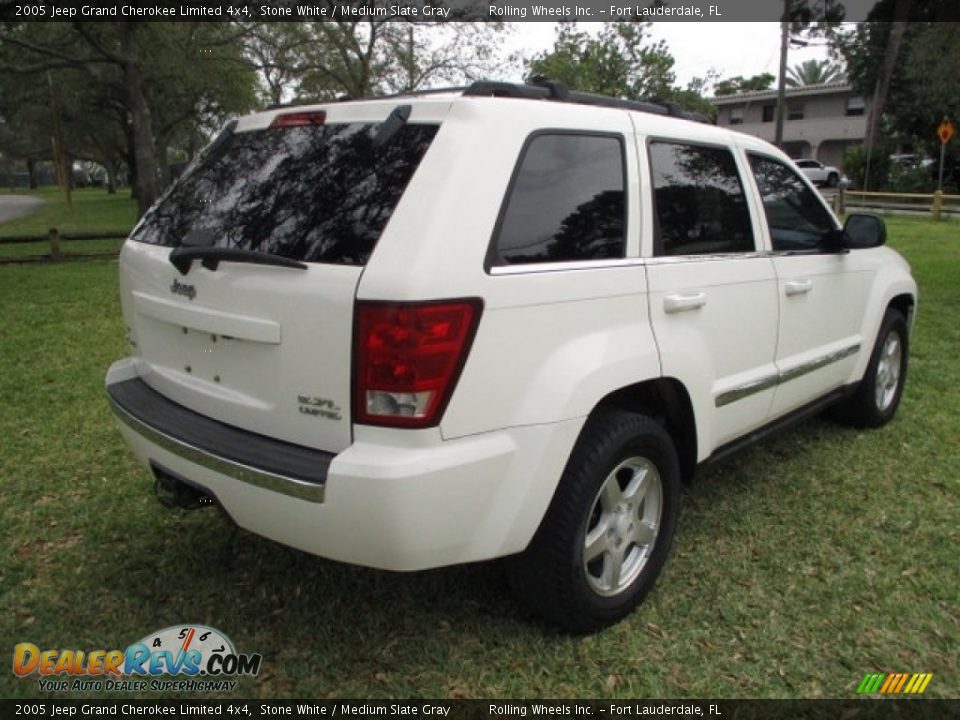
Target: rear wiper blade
[(182, 258)]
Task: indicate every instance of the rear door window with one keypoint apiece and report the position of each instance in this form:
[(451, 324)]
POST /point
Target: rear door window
[(312, 193), (700, 203)]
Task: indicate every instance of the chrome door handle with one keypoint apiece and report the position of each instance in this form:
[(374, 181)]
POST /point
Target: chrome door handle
[(797, 287), (682, 303)]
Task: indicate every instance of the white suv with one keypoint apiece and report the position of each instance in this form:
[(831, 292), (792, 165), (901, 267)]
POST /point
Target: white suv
[(820, 174), (508, 320)]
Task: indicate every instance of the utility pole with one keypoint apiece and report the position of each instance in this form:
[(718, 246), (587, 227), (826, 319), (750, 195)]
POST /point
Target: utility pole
[(782, 78)]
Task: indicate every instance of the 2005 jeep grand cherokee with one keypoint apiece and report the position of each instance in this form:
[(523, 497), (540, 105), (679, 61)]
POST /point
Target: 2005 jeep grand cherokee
[(504, 320)]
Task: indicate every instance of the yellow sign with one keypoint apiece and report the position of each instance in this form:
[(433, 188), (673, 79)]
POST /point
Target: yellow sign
[(946, 131)]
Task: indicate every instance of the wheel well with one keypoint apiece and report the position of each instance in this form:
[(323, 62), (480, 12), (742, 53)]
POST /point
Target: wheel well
[(903, 303), (666, 401)]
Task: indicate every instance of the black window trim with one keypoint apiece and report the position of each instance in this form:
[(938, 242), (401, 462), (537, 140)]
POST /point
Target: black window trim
[(493, 261), (657, 248)]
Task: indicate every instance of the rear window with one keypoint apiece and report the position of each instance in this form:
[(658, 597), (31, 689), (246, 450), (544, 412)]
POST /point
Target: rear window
[(313, 193)]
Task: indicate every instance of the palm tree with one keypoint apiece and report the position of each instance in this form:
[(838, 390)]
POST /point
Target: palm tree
[(814, 72)]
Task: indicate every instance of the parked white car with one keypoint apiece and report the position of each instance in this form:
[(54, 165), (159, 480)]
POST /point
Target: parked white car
[(821, 174), (509, 320)]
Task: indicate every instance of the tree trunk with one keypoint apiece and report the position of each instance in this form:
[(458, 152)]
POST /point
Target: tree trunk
[(145, 177), (112, 177), (66, 172), (131, 161), (163, 161), (32, 173), (901, 11)]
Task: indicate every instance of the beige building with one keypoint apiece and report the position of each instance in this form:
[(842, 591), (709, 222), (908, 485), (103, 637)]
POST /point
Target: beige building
[(820, 121)]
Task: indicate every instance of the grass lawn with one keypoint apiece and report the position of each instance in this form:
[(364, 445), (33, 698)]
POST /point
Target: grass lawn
[(799, 565), (94, 210)]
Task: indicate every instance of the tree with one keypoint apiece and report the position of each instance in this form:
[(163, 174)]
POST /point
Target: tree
[(814, 72), (144, 82), (24, 130), (273, 51), (904, 59), (739, 84), (620, 61), (319, 61), (694, 97)]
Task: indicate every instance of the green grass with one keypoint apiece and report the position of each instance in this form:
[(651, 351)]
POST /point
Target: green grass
[(799, 565), (94, 210)]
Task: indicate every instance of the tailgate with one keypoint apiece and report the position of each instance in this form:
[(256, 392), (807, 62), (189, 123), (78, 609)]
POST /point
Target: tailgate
[(238, 286)]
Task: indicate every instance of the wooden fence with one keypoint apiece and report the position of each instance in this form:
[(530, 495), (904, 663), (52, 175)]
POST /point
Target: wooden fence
[(937, 204), (54, 237)]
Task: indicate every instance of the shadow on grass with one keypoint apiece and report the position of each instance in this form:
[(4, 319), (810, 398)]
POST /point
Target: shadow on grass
[(200, 562)]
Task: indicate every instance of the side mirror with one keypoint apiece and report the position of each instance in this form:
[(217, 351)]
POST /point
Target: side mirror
[(864, 231)]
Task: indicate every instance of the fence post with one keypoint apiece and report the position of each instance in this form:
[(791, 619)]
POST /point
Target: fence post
[(838, 202), (54, 239), (937, 204)]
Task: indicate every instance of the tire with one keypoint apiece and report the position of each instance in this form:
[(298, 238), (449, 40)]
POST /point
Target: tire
[(608, 529), (875, 401), (833, 180)]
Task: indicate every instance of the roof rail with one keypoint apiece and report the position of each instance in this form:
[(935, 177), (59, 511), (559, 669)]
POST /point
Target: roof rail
[(539, 88)]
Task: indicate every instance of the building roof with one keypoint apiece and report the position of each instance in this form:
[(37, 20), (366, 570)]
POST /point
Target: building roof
[(839, 86)]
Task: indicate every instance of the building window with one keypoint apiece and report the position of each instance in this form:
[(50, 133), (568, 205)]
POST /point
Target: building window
[(736, 116), (794, 112), (768, 112), (855, 106)]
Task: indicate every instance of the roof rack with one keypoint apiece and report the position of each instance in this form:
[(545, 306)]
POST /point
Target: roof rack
[(540, 88)]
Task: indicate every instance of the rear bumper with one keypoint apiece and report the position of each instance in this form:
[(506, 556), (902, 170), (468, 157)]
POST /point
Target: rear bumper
[(397, 500), (248, 457)]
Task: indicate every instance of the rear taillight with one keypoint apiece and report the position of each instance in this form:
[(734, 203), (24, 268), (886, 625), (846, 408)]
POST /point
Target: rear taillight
[(300, 119), (408, 358)]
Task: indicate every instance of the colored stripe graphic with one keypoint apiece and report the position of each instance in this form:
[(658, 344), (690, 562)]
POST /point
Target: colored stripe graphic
[(900, 682), (894, 683), (890, 681), (870, 683)]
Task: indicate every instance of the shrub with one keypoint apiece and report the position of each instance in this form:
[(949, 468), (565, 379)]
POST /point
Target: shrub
[(855, 166), (910, 179)]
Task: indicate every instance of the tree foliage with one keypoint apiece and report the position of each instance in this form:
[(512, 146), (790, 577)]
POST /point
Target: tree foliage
[(739, 84), (124, 89), (147, 95), (922, 87), (620, 61), (814, 72), (319, 61)]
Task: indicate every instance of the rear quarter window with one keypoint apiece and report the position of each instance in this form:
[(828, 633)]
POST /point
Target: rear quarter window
[(310, 193), (566, 201)]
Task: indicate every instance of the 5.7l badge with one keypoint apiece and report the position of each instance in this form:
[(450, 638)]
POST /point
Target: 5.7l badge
[(319, 407)]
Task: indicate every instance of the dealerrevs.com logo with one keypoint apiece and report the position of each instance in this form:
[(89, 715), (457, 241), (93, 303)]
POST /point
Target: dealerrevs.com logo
[(198, 657)]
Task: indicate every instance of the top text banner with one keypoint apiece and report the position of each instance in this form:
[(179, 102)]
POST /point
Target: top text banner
[(459, 10)]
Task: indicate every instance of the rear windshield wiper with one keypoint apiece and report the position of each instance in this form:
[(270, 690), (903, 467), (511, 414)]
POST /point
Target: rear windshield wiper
[(182, 258)]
